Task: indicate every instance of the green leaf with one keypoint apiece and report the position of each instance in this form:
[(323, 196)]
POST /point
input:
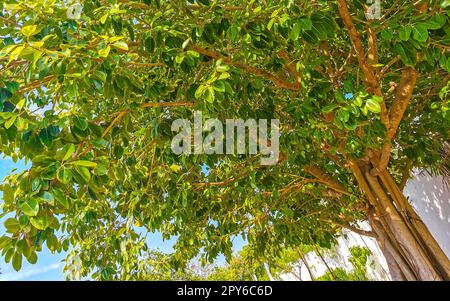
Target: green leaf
[(404, 33), (420, 33), (64, 175), (403, 55), (104, 52), (84, 173), (387, 35), (12, 225), (295, 33), (4, 94), (435, 22), (10, 121), (210, 95), (219, 86), (121, 45), (305, 23), (60, 198), (200, 91), (17, 261), (32, 258), (373, 106), (80, 123), (4, 241), (40, 222), (222, 68), (30, 207), (68, 150), (29, 30), (48, 197), (8, 194), (83, 163)]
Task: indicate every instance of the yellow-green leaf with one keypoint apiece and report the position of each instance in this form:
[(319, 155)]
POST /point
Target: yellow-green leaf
[(84, 163), (29, 30), (8, 194), (30, 207), (105, 51)]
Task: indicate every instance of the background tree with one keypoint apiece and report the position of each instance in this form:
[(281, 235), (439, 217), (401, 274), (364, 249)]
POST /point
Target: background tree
[(88, 93)]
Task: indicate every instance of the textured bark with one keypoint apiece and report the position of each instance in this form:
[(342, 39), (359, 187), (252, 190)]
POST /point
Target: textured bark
[(402, 99), (371, 81), (398, 267), (396, 238), (417, 257), (438, 257)]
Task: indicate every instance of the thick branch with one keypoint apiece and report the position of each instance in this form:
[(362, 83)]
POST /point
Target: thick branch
[(402, 99), (371, 81), (373, 48)]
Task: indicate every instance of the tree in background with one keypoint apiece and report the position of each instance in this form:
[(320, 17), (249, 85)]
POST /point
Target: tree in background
[(88, 93), (358, 259)]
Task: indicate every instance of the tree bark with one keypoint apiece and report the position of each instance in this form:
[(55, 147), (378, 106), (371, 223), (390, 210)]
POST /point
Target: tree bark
[(438, 257), (410, 250)]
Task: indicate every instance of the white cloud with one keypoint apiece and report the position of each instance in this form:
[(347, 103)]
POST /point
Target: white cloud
[(29, 273)]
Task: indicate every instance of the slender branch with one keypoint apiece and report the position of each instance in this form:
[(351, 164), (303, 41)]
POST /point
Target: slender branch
[(326, 179), (121, 114), (118, 117), (36, 84), (357, 230), (167, 104), (388, 66), (249, 69)]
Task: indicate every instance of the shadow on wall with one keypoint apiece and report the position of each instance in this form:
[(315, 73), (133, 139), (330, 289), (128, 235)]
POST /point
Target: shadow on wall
[(431, 199)]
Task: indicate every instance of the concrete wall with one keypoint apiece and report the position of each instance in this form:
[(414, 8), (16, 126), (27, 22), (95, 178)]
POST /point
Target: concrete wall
[(431, 199)]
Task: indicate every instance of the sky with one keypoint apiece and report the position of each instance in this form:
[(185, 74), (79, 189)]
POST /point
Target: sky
[(50, 266)]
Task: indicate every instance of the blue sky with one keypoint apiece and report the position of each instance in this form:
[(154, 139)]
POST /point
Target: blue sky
[(50, 266)]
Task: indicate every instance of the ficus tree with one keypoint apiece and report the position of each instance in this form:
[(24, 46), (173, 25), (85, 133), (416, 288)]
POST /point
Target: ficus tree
[(89, 89)]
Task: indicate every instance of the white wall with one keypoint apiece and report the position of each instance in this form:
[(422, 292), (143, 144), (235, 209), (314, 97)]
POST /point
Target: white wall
[(431, 199), (376, 264)]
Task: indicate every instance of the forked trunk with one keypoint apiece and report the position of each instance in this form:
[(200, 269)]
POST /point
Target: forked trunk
[(411, 251)]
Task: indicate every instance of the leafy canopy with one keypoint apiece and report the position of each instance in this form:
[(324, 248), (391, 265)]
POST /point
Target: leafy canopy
[(87, 97)]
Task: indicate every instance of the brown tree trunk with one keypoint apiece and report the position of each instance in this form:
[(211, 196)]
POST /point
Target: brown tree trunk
[(411, 251), (417, 226), (398, 267)]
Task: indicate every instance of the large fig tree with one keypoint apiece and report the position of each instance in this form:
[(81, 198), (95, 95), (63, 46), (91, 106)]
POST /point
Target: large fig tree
[(89, 90)]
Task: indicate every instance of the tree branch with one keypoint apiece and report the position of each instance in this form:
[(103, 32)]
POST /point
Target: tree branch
[(404, 94), (249, 69), (371, 81), (373, 48), (326, 179), (402, 99)]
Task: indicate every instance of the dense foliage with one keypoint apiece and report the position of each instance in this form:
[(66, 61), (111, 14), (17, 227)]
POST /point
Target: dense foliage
[(88, 93)]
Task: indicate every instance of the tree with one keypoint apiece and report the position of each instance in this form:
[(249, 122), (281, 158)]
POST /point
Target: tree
[(358, 259), (88, 93)]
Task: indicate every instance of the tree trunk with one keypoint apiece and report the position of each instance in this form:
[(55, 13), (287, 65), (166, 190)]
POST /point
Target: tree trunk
[(410, 250)]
